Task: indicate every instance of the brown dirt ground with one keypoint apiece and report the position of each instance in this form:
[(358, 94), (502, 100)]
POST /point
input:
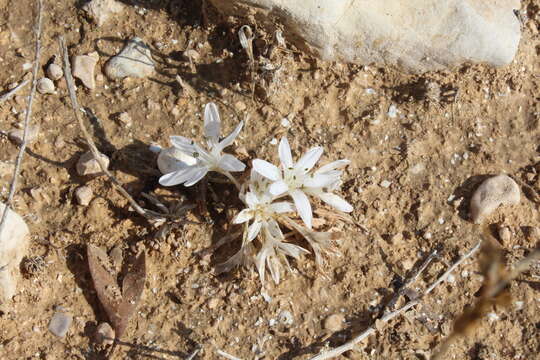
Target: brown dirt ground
[(430, 151)]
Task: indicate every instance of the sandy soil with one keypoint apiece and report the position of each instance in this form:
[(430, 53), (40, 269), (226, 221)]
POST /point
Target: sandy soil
[(434, 152)]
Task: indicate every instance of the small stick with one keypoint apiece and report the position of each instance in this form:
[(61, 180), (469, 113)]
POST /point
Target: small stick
[(227, 356), (150, 215), (13, 91), (193, 354), (386, 318), (27, 117)]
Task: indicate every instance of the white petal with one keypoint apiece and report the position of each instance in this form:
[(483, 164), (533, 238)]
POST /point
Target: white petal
[(212, 122), (319, 180), (267, 170), (292, 250), (182, 143), (251, 200), (336, 202), (196, 176), (303, 206), (243, 216), (278, 188), (179, 176), (230, 163), (202, 155), (285, 156), (274, 230), (253, 230), (338, 164), (230, 138), (282, 207), (309, 159)]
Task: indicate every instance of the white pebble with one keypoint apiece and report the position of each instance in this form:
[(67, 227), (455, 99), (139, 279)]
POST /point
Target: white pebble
[(45, 86), (493, 192), (385, 184), (84, 195), (54, 71), (392, 111), (87, 165)]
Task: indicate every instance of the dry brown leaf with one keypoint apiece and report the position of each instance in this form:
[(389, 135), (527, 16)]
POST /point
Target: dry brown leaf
[(118, 304)]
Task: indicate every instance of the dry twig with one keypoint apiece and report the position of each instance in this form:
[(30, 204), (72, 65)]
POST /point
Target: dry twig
[(226, 356), (27, 117), (148, 214), (13, 91), (389, 316)]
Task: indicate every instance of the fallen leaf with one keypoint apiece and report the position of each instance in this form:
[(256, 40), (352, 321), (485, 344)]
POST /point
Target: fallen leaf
[(119, 304)]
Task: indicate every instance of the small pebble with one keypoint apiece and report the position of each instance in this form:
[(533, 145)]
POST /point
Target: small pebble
[(104, 334), (102, 10), (17, 135), (54, 71), (60, 323), (84, 195), (493, 192), (505, 234), (286, 317), (334, 322), (87, 165), (533, 233), (135, 60), (392, 111), (385, 184), (45, 86), (125, 119), (213, 303), (84, 67)]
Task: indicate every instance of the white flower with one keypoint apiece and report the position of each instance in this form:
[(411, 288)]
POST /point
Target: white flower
[(206, 160), (297, 180)]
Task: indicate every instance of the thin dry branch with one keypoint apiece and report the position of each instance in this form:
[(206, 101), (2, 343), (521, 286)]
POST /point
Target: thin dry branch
[(27, 117), (13, 91), (387, 317), (226, 356), (148, 214)]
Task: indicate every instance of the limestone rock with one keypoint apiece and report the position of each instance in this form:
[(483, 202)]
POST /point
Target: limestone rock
[(101, 10), (60, 323), (45, 86), (17, 135), (493, 192), (172, 159), (134, 60), (84, 195), (13, 246), (415, 35), (84, 67), (87, 165), (54, 71)]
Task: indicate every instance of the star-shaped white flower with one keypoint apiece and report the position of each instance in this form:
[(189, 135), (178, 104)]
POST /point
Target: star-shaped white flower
[(205, 160), (297, 180)]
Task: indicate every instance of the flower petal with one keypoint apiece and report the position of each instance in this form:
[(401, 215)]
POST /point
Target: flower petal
[(231, 137), (267, 170), (212, 122), (196, 176), (253, 230), (179, 176), (303, 206), (336, 202), (201, 154), (282, 207), (243, 216), (251, 200), (278, 188), (182, 143), (230, 163), (309, 159), (320, 180), (285, 155), (338, 164)]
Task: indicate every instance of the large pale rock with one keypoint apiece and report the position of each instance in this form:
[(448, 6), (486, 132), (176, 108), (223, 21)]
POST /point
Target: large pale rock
[(417, 35), (13, 246), (102, 10)]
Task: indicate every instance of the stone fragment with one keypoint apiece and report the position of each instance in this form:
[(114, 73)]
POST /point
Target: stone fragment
[(415, 35), (505, 234), (17, 135), (84, 68), (493, 192), (125, 119), (84, 195), (101, 10), (45, 86), (60, 323), (334, 322), (104, 334), (13, 246), (172, 159), (54, 71), (135, 60), (87, 165)]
